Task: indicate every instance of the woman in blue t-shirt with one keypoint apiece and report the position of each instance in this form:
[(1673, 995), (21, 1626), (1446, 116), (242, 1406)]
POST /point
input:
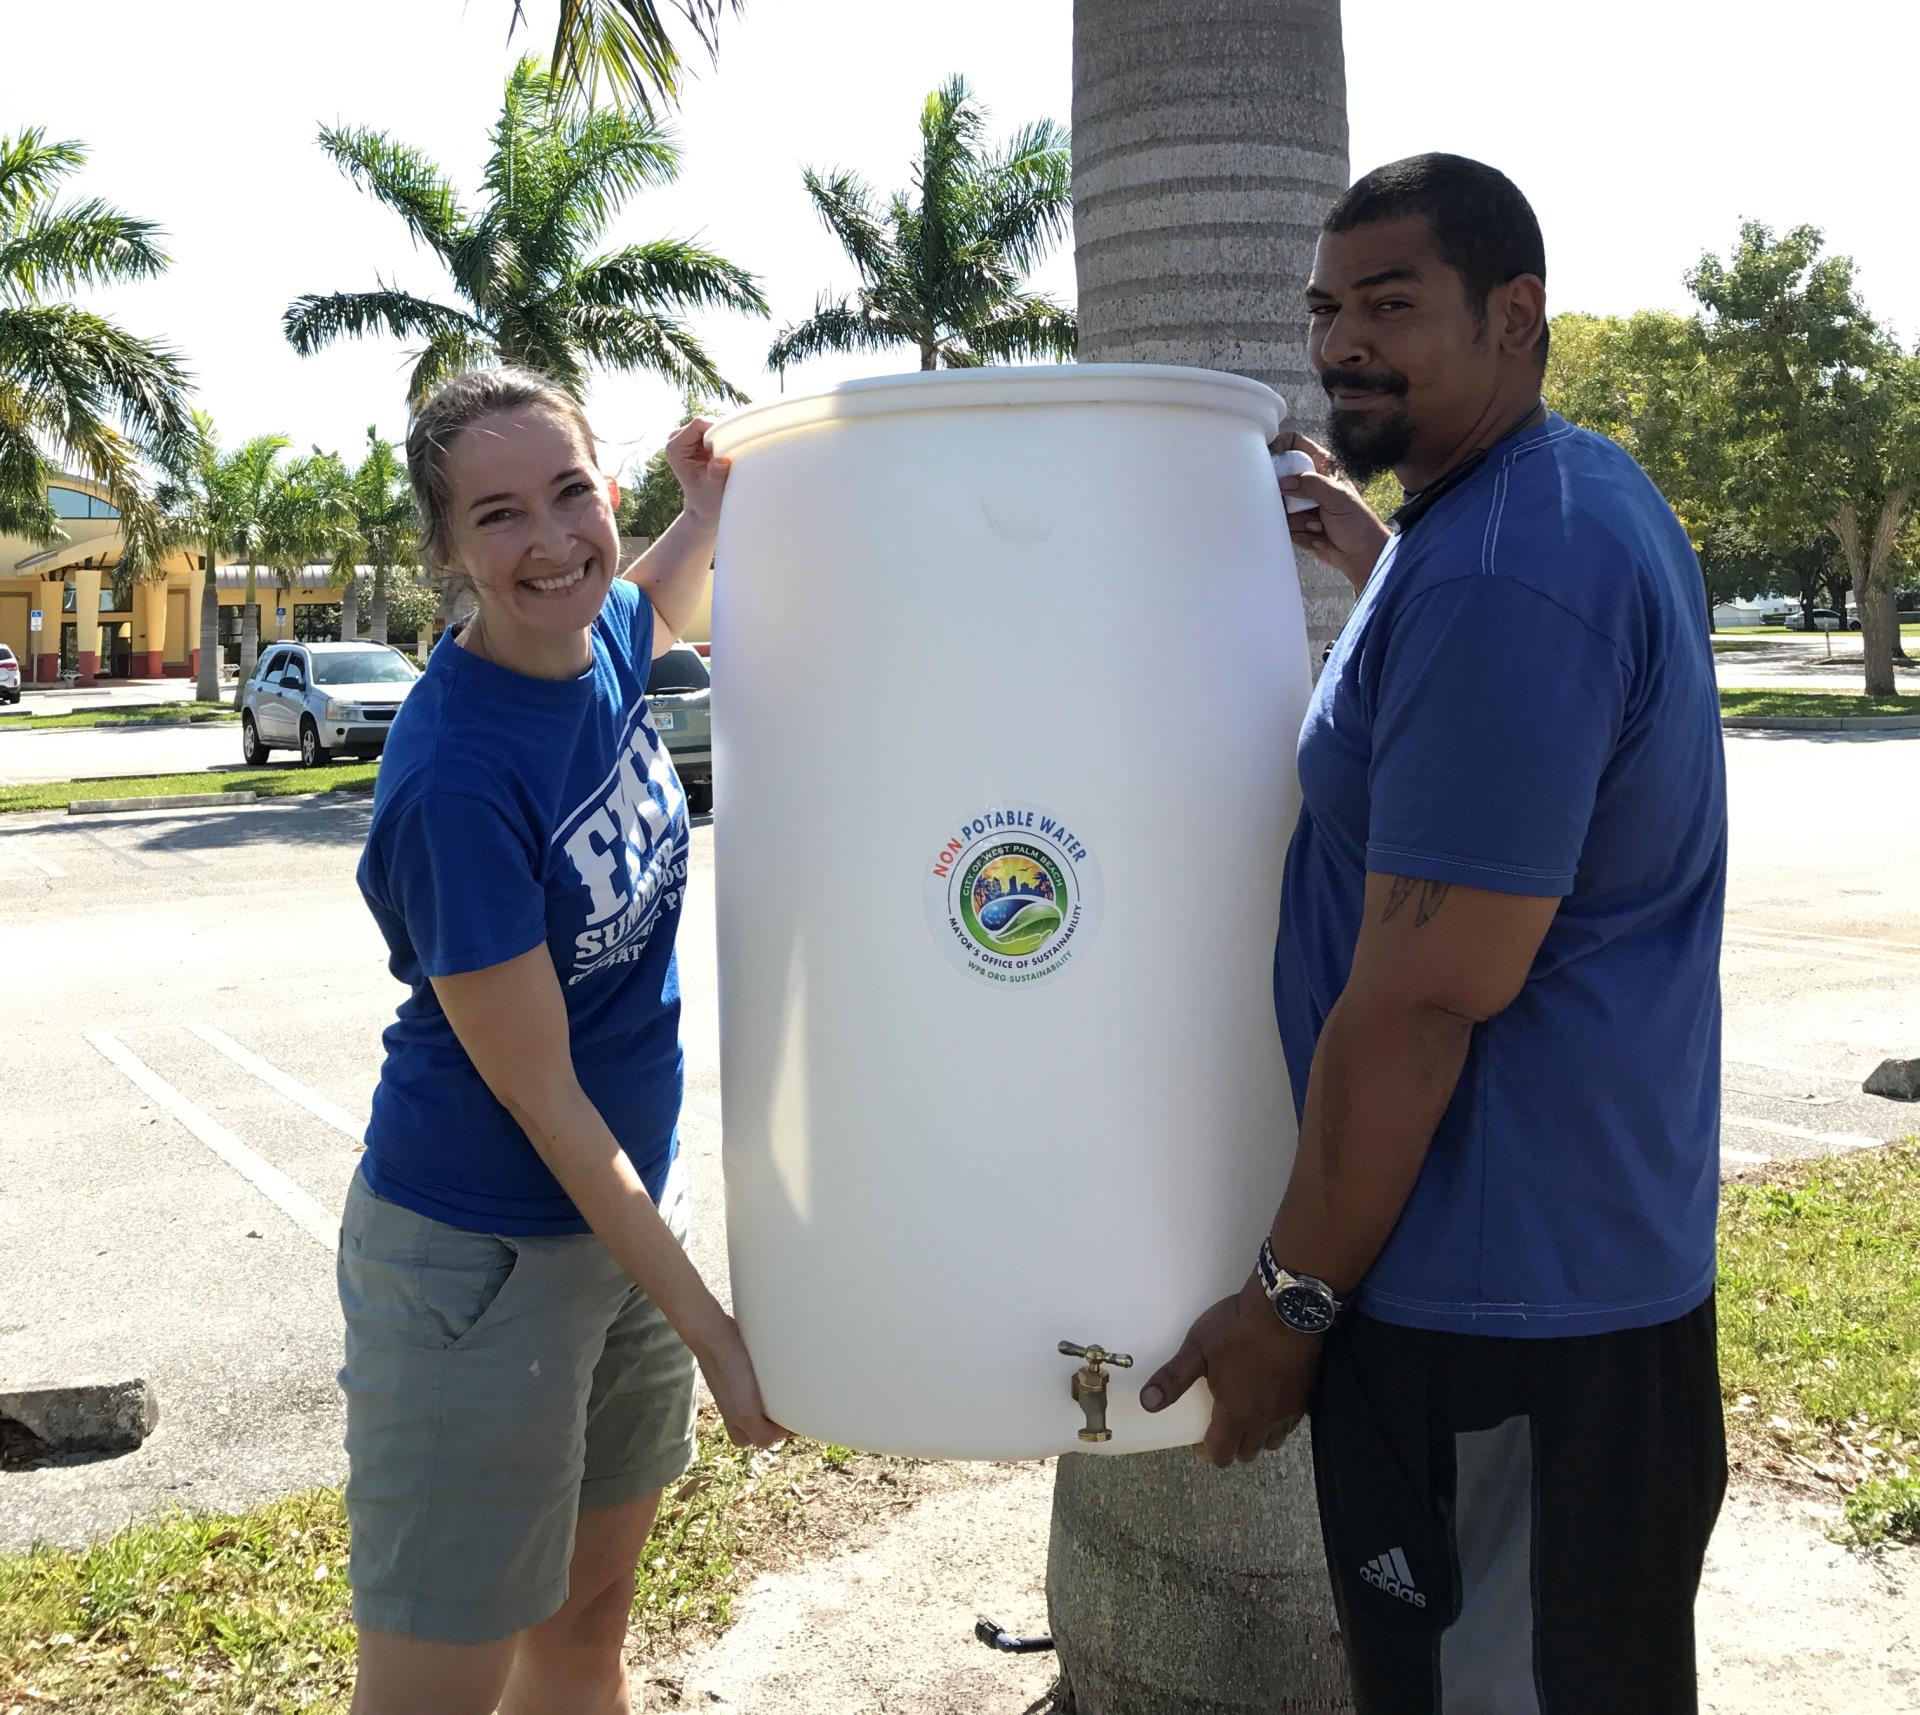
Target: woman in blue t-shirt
[(522, 1323)]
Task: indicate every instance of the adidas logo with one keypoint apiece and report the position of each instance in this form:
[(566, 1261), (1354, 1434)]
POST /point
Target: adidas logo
[(1390, 1572)]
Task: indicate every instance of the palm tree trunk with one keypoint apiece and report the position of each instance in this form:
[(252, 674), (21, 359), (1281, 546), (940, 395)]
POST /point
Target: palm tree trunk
[(378, 619), (350, 610), (249, 632), (208, 687), (1209, 140)]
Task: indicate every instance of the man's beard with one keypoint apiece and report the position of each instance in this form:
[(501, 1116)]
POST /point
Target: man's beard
[(1368, 442)]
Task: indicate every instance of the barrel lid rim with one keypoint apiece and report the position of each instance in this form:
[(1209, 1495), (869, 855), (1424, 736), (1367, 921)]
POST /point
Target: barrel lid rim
[(1009, 384)]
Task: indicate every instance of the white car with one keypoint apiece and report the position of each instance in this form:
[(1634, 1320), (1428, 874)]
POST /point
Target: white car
[(9, 675), (321, 698)]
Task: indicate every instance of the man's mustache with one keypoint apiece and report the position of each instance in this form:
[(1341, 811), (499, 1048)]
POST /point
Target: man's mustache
[(1362, 381)]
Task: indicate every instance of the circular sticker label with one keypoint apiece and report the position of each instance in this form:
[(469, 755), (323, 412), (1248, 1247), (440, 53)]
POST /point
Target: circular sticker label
[(1013, 895)]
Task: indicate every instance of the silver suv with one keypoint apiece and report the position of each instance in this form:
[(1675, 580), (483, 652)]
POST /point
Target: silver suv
[(678, 694), (319, 698)]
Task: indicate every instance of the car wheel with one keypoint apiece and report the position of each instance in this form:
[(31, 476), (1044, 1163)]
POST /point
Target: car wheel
[(313, 754), (700, 798), (252, 751)]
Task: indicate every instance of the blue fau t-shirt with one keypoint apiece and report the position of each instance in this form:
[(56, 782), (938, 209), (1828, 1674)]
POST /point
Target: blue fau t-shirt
[(512, 812), (1523, 701)]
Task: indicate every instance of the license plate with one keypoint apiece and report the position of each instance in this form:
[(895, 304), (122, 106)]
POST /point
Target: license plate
[(667, 721)]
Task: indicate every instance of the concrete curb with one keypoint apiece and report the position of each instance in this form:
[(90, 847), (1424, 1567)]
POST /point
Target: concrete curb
[(179, 725), (98, 1417), (1822, 723), (185, 801)]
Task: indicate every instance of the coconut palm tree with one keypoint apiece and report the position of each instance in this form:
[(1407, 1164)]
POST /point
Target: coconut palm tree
[(248, 476), (386, 534), (944, 275), (306, 520), (626, 43), (532, 286), (193, 495), (73, 384), (1175, 1589)]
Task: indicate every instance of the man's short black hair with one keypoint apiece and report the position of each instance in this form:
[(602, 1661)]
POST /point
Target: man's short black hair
[(1485, 230)]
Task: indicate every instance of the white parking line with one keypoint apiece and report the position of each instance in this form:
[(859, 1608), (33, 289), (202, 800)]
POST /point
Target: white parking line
[(121, 854), (1742, 1157), (27, 855), (290, 1087), (1865, 945), (1780, 1128), (291, 1199)]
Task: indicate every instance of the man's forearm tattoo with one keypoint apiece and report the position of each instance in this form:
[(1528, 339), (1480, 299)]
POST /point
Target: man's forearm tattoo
[(1433, 895)]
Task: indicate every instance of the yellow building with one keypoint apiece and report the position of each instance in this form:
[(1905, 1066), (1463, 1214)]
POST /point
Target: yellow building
[(84, 632), (156, 635)]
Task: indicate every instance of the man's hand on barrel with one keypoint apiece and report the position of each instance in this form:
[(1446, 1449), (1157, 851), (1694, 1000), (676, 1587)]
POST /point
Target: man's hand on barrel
[(1259, 1370), (1340, 531)]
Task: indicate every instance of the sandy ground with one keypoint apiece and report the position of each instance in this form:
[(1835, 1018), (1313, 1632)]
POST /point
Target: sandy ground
[(1789, 1623)]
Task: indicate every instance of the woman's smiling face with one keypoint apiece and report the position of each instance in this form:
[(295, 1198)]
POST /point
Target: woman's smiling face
[(531, 522)]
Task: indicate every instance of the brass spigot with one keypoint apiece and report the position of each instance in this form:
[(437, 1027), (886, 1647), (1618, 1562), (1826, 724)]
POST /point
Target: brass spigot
[(1089, 1388)]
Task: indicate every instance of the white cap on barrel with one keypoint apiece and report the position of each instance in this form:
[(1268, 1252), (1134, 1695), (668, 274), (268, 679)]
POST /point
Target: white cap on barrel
[(1295, 464)]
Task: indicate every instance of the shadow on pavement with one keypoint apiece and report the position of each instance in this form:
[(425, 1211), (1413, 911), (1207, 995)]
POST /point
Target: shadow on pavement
[(337, 820)]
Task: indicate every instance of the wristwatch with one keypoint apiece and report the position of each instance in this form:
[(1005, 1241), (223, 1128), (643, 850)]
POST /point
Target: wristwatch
[(1305, 1304)]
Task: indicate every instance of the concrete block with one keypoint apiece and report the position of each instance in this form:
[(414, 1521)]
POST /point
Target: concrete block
[(94, 1417), (1898, 1080)]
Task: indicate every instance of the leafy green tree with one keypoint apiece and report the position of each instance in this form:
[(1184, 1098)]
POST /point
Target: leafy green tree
[(532, 287), (1647, 382), (1824, 413), (944, 274), (72, 382)]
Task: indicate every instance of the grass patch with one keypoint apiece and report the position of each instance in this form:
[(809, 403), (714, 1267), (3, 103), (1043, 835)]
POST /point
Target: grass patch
[(135, 715), (248, 1613), (1819, 1311), (268, 782), (1812, 705)]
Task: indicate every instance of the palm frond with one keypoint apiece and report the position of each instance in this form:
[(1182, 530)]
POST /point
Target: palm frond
[(401, 177), (24, 509), (314, 322), (487, 264), (626, 45), (1023, 328), (669, 273), (845, 203), (605, 159), (452, 351), (85, 244), (624, 338), (30, 167), (836, 325), (1026, 195), (70, 368)]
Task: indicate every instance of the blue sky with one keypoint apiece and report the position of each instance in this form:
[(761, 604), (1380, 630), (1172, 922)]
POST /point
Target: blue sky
[(1642, 132)]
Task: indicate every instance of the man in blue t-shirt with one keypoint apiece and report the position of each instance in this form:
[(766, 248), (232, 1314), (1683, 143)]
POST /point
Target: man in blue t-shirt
[(1497, 981)]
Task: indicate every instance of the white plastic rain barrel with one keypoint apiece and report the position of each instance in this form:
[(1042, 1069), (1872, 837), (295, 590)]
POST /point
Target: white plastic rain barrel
[(1009, 666)]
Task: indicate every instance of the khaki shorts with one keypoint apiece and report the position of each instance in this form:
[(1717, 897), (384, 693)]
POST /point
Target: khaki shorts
[(496, 1388)]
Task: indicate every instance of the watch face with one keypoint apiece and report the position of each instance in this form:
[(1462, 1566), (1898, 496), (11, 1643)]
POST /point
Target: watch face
[(1304, 1308)]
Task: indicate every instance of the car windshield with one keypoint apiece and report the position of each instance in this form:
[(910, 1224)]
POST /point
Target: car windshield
[(363, 667), (677, 672), (6, 654)]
